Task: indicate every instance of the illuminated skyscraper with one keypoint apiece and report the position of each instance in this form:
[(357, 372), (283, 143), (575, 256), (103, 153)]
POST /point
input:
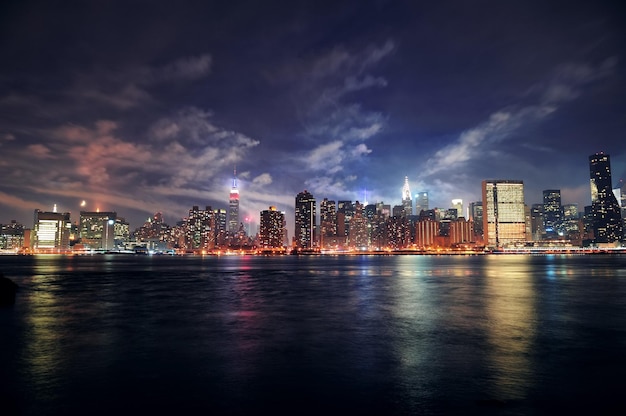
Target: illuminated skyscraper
[(476, 215), (51, 230), (552, 216), (305, 220), (359, 230), (97, 229), (328, 221), (345, 212), (605, 210), (233, 206), (421, 202), (458, 205), (201, 228), (407, 203), (504, 220), (272, 228)]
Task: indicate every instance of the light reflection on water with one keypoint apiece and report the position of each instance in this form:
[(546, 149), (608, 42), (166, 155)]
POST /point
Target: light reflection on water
[(359, 334)]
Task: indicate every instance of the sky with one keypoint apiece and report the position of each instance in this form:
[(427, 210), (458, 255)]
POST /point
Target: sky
[(148, 106)]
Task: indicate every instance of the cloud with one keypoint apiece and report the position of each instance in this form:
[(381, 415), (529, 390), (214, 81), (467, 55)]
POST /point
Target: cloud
[(263, 179), (326, 157), (189, 68), (38, 151), (6, 138), (127, 88), (568, 79), (194, 125), (564, 85)]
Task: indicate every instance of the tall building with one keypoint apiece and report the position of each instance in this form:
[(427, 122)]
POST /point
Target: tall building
[(345, 212), (552, 213), (458, 205), (51, 230), (359, 237), (272, 228), (305, 220), (476, 215), (407, 203), (571, 221), (97, 229), (421, 202), (606, 217), (328, 221), (233, 206), (11, 236), (201, 231), (504, 219), (620, 195), (537, 227)]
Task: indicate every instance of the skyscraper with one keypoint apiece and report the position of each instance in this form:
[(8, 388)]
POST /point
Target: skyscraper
[(407, 203), (552, 216), (272, 227), (51, 230), (476, 215), (328, 221), (421, 202), (458, 205), (605, 210), (305, 220), (504, 219), (97, 229), (233, 206)]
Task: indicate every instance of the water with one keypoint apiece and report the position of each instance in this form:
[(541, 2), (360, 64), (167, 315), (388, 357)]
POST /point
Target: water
[(314, 335)]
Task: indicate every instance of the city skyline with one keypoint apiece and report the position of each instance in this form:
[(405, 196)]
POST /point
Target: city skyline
[(153, 117)]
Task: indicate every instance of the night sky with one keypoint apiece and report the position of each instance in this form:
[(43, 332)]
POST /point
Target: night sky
[(146, 106)]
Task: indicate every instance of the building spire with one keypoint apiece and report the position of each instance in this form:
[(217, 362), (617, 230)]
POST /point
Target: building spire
[(406, 192), (235, 178)]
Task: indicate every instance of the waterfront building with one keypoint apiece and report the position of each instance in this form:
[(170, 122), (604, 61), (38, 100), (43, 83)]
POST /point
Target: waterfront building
[(407, 203), (272, 228), (97, 229), (571, 225), (51, 230), (421, 202), (426, 232), (476, 216), (552, 213), (458, 205), (504, 221), (328, 222), (345, 212), (605, 210), (11, 236), (536, 222), (305, 214), (200, 229), (461, 231), (359, 229), (398, 233), (233, 206), (221, 226)]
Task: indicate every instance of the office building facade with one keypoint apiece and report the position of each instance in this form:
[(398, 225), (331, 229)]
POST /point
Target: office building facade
[(504, 218)]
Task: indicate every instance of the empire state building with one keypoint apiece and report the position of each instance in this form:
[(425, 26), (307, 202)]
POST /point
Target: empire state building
[(233, 206)]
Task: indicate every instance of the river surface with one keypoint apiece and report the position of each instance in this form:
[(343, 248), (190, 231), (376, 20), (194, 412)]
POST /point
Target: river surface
[(492, 334)]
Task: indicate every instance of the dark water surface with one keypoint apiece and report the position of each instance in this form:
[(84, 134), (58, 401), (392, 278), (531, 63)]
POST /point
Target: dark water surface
[(314, 335)]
